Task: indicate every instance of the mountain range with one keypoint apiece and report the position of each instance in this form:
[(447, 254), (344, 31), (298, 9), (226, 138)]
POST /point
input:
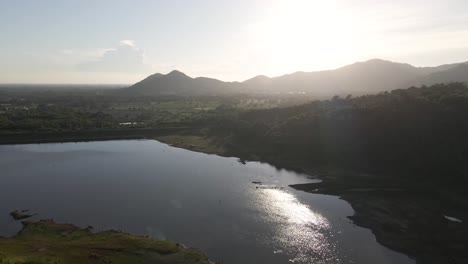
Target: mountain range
[(371, 76)]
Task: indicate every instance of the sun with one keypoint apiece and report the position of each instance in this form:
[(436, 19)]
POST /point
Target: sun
[(308, 35)]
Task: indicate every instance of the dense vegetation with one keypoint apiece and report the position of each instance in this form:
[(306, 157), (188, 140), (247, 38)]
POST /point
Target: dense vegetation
[(67, 109), (54, 119), (417, 131)]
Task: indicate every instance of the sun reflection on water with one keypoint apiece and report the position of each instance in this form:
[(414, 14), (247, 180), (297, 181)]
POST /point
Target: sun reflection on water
[(301, 232)]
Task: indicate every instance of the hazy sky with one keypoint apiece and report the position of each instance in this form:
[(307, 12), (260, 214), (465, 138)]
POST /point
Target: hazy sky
[(122, 41)]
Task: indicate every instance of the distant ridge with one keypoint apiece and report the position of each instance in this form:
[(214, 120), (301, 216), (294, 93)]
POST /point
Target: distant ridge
[(370, 76), (178, 83)]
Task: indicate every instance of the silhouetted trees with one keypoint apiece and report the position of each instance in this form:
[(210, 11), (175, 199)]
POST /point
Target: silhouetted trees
[(416, 132)]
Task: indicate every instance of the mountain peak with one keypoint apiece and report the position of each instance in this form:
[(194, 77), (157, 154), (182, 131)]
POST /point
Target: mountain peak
[(377, 60), (383, 65), (177, 74), (364, 77), (259, 79)]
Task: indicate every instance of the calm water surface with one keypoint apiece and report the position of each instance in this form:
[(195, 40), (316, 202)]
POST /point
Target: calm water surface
[(205, 201)]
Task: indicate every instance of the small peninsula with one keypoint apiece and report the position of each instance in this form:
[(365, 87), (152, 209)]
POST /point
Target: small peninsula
[(45, 241)]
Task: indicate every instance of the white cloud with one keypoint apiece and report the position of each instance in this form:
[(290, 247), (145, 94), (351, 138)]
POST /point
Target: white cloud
[(125, 58), (127, 42)]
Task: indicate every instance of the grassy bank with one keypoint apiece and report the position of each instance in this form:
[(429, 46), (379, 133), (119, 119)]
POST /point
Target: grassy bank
[(48, 242), (194, 142), (197, 140)]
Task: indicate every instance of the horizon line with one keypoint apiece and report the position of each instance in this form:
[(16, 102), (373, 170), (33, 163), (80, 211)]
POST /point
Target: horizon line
[(258, 75)]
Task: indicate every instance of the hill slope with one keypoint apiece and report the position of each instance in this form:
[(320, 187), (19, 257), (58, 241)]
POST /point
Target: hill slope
[(418, 133), (177, 83), (359, 78)]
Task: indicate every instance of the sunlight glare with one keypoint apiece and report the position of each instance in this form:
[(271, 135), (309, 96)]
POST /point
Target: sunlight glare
[(306, 35), (303, 232)]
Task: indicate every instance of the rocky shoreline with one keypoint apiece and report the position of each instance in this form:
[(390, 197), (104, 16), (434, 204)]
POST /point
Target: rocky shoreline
[(406, 220)]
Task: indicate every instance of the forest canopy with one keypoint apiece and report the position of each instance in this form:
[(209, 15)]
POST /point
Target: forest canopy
[(417, 131)]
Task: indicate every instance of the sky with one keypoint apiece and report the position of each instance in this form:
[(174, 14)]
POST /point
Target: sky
[(123, 41)]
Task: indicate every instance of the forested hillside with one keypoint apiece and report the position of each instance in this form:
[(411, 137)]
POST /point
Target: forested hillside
[(419, 132)]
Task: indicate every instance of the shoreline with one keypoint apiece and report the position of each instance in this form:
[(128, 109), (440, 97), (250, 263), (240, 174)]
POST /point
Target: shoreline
[(45, 241), (87, 135), (401, 216), (409, 221)]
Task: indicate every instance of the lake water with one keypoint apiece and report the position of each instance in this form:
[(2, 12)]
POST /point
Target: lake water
[(204, 201)]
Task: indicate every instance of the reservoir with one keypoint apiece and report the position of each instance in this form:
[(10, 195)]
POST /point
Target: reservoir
[(203, 201)]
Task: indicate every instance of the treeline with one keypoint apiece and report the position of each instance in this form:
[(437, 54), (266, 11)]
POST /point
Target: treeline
[(53, 119), (420, 132), (416, 132)]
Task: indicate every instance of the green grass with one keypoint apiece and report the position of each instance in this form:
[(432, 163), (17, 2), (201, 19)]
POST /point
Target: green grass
[(48, 242), (197, 143)]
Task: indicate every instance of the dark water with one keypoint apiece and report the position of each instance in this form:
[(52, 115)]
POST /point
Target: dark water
[(204, 201)]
